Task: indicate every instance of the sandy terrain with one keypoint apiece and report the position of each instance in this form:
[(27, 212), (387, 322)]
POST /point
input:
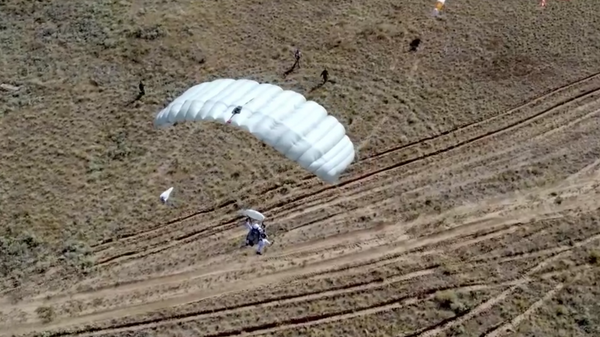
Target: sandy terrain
[(471, 210)]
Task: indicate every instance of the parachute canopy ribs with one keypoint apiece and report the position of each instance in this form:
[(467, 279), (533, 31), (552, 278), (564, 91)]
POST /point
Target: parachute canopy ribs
[(299, 129)]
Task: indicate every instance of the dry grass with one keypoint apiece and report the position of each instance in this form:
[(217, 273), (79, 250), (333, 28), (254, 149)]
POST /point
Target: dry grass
[(458, 235)]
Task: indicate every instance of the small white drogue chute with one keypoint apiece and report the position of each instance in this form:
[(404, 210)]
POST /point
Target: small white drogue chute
[(299, 129), (164, 196), (254, 215)]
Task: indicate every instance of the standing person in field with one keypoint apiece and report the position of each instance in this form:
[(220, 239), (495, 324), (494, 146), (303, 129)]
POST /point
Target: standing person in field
[(297, 56), (325, 75)]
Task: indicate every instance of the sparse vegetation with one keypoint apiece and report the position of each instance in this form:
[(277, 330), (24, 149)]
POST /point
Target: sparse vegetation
[(45, 314), (449, 300), (594, 257), (458, 216)]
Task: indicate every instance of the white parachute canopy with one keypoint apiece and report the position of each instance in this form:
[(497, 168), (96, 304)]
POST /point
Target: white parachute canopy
[(252, 214), (164, 196), (299, 129)]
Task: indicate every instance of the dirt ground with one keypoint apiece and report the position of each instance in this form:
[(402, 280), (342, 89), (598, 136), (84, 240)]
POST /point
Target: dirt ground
[(471, 210)]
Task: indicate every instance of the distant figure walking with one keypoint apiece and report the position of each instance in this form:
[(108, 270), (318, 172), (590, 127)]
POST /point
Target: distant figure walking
[(297, 56), (142, 92), (414, 44), (325, 75)]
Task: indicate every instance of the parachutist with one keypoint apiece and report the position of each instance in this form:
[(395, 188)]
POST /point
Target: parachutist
[(414, 44), (325, 75)]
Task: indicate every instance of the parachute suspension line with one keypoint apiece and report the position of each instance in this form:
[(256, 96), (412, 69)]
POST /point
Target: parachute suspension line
[(385, 119), (181, 144)]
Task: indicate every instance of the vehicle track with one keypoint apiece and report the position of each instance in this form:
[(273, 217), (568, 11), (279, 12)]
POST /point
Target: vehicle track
[(320, 294), (317, 319), (421, 273), (437, 329), (487, 233), (480, 229), (505, 328), (392, 258), (320, 267)]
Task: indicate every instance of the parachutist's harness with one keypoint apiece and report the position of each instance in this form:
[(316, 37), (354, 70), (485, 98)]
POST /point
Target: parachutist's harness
[(255, 235)]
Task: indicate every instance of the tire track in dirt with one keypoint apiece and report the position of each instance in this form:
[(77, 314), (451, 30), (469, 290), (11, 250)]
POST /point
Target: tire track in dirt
[(123, 237), (346, 261), (489, 230), (526, 278), (305, 297), (200, 273), (316, 319), (487, 234), (224, 225), (349, 314), (491, 223), (389, 253), (477, 237), (505, 328), (103, 244), (292, 323), (574, 269), (536, 100)]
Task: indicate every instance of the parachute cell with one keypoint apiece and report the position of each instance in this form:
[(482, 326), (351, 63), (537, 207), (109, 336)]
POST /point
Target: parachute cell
[(299, 129)]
